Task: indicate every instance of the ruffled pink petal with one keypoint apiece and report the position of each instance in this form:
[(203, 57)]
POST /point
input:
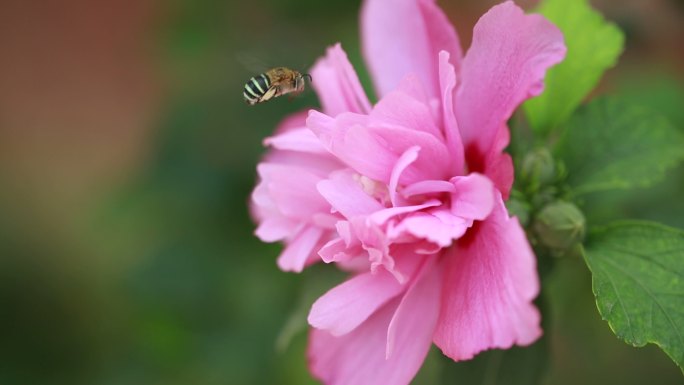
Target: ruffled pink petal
[(337, 85), (293, 190), (262, 204), (447, 83), (438, 226), (275, 228), (417, 313), (377, 246), (273, 225), (401, 37), (373, 150), (361, 356), (355, 265), (357, 358), (409, 156), (277, 205), (347, 305), (346, 233), (489, 284), (411, 85), (344, 248), (473, 196), (382, 216), (325, 127), (300, 251), (318, 164), (346, 195), (325, 220), (505, 65), (336, 251), (427, 187), (402, 109), (349, 140), (296, 139)]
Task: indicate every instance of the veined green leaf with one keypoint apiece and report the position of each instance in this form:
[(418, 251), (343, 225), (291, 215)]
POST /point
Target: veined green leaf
[(609, 144), (638, 281)]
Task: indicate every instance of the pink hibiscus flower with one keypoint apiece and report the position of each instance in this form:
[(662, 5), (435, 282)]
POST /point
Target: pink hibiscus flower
[(407, 194)]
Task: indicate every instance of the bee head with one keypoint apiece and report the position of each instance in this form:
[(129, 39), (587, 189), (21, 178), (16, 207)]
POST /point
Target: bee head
[(299, 81)]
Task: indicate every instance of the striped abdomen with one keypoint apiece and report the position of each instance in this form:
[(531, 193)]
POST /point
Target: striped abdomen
[(255, 88)]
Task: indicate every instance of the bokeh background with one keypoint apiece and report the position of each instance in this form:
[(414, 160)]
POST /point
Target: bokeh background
[(127, 156)]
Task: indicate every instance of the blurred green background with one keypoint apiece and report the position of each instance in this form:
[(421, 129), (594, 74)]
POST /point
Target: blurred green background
[(127, 156)]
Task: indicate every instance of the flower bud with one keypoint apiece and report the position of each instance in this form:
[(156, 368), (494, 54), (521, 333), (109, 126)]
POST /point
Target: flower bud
[(559, 225), (538, 167), (520, 209)]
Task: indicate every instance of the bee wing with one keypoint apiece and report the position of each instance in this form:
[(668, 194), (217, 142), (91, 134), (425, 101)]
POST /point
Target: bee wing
[(251, 62)]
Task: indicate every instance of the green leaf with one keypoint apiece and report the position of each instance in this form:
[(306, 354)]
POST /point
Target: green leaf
[(593, 46), (657, 91), (638, 281), (612, 145)]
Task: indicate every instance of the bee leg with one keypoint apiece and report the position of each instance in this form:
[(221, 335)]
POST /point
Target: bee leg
[(270, 93), (294, 94)]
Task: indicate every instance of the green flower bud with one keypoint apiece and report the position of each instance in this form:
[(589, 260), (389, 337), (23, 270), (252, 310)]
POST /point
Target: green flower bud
[(520, 209), (559, 225), (538, 167)]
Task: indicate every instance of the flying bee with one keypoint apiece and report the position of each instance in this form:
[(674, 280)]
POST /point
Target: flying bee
[(273, 83)]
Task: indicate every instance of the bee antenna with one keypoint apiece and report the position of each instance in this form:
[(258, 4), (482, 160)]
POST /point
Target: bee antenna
[(308, 76)]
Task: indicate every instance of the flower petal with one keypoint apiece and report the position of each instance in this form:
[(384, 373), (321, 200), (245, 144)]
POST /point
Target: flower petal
[(489, 284), (505, 65), (317, 164), (473, 197), (301, 250), (347, 305), (336, 251), (359, 357), (412, 326), (401, 109), (274, 228), (337, 85), (402, 37), (373, 149), (447, 84), (428, 187), (381, 216), (438, 226), (409, 156), (292, 190), (346, 195), (297, 139)]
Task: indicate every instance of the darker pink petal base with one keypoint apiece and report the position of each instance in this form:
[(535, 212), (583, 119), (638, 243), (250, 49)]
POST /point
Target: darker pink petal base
[(490, 282)]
